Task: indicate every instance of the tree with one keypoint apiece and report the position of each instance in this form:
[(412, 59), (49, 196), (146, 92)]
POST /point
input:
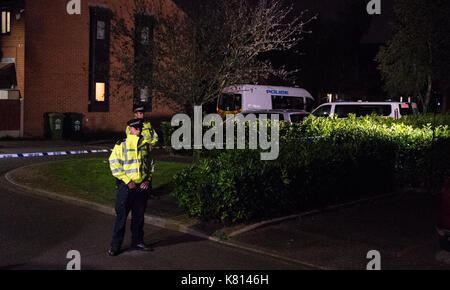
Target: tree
[(418, 56), (223, 42), (133, 48)]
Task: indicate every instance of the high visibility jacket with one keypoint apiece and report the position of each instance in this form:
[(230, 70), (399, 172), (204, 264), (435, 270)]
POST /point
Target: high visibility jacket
[(148, 134), (130, 160)]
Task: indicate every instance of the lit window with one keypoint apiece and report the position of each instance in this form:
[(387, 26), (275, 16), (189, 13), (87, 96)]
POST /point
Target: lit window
[(6, 22), (100, 92)]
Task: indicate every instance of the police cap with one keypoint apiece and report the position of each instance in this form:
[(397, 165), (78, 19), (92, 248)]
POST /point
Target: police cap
[(138, 108), (136, 123)]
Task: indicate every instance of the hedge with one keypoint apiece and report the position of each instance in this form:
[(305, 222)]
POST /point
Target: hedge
[(322, 161)]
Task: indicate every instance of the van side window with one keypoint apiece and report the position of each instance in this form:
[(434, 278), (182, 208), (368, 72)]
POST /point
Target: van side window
[(323, 111), (230, 102), (269, 116), (287, 102), (383, 110), (342, 111), (298, 118)]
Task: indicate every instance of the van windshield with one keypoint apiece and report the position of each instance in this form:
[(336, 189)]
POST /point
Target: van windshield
[(323, 111), (287, 102), (230, 102)]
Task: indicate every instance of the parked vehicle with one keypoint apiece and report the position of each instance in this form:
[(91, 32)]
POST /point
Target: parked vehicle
[(388, 109), (291, 116), (243, 98)]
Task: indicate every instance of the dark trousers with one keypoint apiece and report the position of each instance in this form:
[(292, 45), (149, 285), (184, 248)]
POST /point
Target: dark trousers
[(126, 200)]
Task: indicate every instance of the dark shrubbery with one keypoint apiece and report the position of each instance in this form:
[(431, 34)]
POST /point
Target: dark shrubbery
[(322, 161)]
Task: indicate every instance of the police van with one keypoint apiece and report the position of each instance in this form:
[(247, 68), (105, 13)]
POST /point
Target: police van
[(388, 109), (246, 98)]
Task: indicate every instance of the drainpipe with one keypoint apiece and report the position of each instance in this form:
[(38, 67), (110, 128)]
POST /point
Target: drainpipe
[(21, 118)]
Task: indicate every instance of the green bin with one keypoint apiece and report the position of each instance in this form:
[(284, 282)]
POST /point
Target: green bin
[(56, 125)]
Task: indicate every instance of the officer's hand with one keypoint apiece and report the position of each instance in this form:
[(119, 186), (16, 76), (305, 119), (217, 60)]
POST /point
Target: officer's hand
[(144, 185), (131, 185)]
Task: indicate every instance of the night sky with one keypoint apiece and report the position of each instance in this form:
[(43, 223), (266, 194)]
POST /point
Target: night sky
[(379, 31), (333, 10)]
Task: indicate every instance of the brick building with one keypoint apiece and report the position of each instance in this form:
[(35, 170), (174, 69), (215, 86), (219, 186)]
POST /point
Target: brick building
[(61, 55)]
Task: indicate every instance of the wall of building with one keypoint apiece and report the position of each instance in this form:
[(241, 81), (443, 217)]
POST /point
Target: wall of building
[(57, 66)]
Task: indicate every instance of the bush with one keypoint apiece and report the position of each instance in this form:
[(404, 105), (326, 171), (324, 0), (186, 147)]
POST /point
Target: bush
[(322, 161)]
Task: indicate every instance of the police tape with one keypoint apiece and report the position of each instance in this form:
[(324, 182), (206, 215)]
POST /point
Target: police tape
[(59, 153)]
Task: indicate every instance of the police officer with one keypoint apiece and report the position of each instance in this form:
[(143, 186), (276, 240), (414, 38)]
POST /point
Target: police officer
[(148, 133), (132, 168)]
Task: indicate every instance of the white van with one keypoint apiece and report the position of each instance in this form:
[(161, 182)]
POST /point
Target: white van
[(388, 109), (246, 98)]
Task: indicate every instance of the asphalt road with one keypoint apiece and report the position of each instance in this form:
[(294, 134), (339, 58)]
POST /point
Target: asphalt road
[(400, 228), (37, 233)]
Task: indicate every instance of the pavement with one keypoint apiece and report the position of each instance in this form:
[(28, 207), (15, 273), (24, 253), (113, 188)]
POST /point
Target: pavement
[(399, 227)]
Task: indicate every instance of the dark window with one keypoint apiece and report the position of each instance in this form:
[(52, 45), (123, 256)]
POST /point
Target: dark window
[(143, 58), (268, 115), (342, 111), (323, 111), (383, 110), (230, 102), (406, 109), (99, 59), (298, 118), (287, 102), (8, 78)]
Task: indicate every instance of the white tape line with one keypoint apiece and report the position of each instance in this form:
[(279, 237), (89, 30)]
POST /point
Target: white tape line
[(41, 154)]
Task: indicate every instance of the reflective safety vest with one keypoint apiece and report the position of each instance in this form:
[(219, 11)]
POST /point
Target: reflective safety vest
[(130, 160), (148, 134)]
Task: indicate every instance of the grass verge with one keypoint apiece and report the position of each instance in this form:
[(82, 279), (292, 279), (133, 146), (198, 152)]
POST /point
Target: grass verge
[(89, 178)]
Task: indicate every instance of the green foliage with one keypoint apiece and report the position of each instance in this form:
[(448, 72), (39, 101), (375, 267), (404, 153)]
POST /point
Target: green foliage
[(418, 56), (322, 161)]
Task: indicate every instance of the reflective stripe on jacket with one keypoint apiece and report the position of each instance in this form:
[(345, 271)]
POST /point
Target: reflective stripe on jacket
[(129, 160)]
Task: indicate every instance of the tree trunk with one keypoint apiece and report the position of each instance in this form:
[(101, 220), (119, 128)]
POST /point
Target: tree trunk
[(445, 98), (426, 103)]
